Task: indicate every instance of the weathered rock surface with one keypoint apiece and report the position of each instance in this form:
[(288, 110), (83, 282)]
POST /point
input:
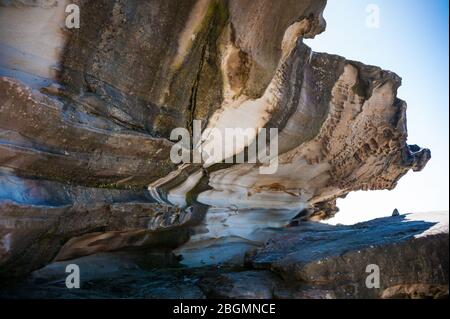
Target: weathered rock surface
[(110, 275), (42, 137), (33, 236), (86, 117), (309, 261), (335, 258)]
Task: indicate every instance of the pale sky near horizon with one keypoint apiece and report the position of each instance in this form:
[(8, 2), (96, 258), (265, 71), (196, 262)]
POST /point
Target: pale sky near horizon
[(411, 40)]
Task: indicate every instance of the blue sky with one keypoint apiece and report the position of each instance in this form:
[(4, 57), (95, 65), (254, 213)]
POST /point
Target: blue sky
[(411, 40)]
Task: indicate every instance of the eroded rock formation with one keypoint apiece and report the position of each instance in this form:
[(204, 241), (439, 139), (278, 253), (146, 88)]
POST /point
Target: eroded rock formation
[(86, 117), (309, 261)]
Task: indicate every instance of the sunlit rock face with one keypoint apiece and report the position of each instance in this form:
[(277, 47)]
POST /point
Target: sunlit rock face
[(86, 117)]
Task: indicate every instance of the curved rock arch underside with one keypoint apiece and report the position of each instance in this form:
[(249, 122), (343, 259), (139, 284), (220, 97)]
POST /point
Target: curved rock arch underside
[(86, 116)]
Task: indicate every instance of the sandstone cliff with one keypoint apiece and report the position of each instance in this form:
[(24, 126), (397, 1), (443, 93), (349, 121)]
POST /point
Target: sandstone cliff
[(86, 116)]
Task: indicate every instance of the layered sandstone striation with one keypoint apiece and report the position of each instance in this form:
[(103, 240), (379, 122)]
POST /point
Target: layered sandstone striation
[(86, 117)]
